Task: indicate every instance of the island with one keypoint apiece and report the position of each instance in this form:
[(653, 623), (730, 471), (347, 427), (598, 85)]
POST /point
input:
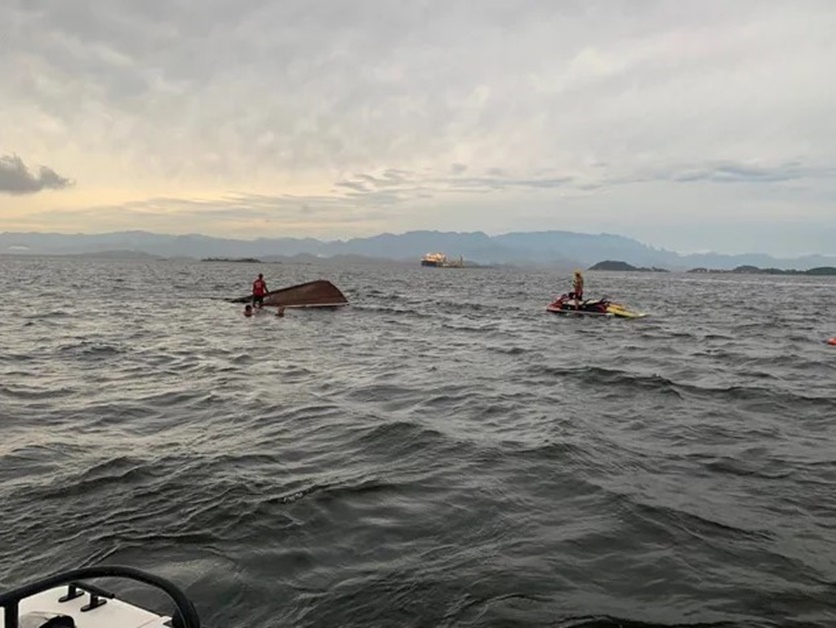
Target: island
[(115, 254), (625, 267), (246, 260), (819, 271)]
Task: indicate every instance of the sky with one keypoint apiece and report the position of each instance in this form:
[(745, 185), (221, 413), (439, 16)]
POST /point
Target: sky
[(702, 125)]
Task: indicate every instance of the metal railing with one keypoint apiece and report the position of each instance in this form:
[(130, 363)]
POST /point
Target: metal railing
[(185, 615)]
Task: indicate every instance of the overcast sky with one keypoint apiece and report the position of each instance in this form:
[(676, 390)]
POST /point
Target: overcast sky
[(693, 125)]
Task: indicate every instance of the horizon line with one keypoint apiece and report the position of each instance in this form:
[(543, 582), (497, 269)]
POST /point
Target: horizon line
[(658, 248)]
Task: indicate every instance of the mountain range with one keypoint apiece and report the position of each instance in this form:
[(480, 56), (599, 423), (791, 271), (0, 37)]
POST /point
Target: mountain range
[(534, 248)]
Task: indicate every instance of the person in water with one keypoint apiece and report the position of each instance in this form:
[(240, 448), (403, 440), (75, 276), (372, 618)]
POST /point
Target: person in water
[(259, 290), (577, 288), (249, 310)]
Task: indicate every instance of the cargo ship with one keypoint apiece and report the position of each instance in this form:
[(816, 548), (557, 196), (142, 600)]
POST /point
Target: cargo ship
[(439, 260)]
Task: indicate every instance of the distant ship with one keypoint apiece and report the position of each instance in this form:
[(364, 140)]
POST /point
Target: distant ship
[(439, 260)]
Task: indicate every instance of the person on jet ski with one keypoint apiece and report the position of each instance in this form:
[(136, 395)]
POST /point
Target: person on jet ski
[(577, 288)]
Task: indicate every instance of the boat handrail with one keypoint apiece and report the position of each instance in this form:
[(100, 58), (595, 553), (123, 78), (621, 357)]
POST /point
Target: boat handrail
[(185, 617)]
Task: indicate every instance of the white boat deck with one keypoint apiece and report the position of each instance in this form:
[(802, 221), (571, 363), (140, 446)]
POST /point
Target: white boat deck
[(114, 614)]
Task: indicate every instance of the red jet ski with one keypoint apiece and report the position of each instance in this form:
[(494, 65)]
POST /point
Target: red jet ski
[(569, 306)]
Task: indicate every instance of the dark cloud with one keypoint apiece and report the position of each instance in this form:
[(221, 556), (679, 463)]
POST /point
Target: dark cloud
[(743, 173), (392, 177), (16, 178), (500, 182), (397, 186), (357, 186)]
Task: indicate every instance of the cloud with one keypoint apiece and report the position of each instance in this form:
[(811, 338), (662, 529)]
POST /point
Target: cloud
[(357, 186), (730, 172), (15, 177), (550, 114), (408, 184), (312, 87), (238, 214)]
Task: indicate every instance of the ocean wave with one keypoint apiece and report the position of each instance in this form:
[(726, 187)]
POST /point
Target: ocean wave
[(440, 453)]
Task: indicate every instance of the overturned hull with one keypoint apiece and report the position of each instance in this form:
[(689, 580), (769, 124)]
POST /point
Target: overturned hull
[(319, 293)]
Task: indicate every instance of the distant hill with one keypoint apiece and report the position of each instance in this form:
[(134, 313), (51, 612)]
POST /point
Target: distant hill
[(624, 266), (336, 260), (121, 255), (821, 271), (553, 249)]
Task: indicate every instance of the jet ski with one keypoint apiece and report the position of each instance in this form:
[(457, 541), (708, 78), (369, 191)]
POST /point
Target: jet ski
[(64, 601), (568, 306)]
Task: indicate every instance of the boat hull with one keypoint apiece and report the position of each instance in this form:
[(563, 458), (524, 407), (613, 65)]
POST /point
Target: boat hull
[(313, 294), (65, 599), (573, 312), (601, 308)]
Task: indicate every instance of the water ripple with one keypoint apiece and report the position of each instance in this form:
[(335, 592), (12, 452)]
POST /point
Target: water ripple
[(442, 452)]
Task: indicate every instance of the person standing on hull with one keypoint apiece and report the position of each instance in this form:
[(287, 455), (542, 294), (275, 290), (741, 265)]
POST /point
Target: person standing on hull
[(259, 290), (577, 289)]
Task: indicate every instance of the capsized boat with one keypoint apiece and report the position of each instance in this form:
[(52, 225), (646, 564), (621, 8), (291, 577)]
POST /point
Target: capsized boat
[(319, 293), (65, 601), (591, 307)]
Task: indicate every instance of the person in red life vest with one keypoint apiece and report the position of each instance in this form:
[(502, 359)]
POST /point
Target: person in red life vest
[(259, 290)]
